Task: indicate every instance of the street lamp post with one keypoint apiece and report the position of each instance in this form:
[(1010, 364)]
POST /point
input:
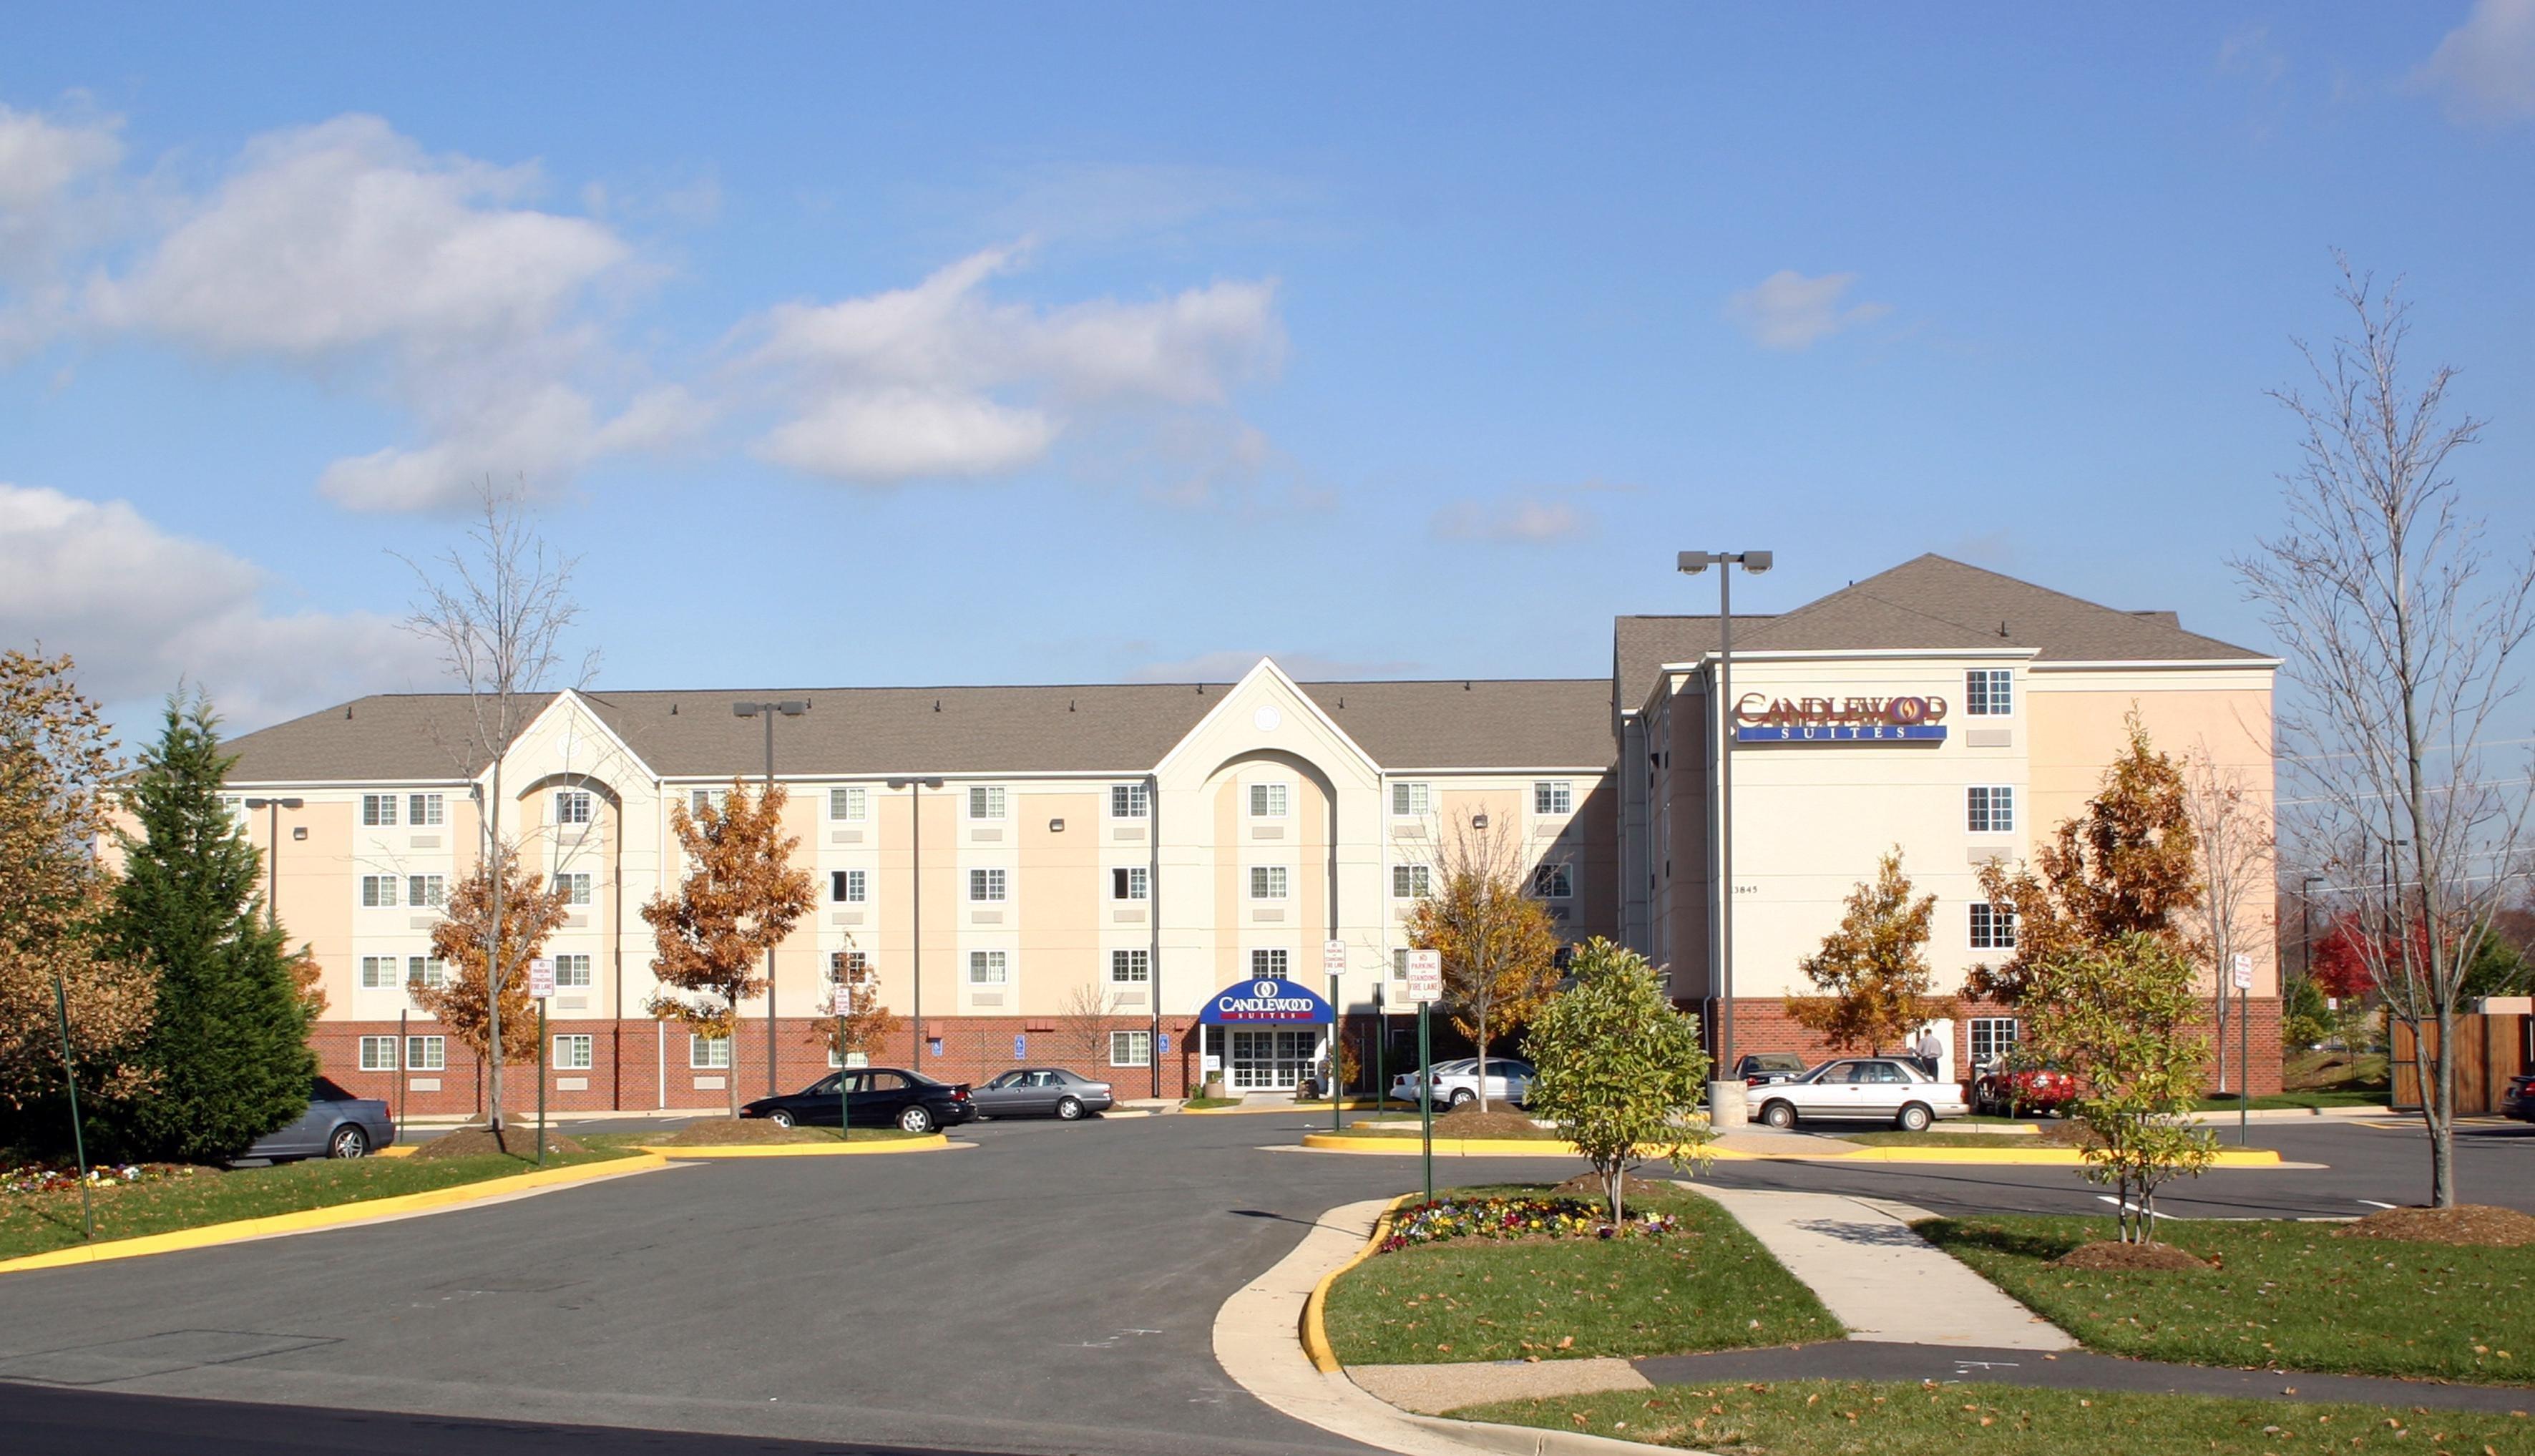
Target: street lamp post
[(790, 708), (1727, 1087), (273, 857), (915, 898)]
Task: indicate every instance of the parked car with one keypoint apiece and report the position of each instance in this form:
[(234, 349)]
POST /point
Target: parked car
[(1861, 1089), (1456, 1083), (1760, 1069), (2013, 1086), (1041, 1092), (2519, 1099), (880, 1097), (336, 1124)]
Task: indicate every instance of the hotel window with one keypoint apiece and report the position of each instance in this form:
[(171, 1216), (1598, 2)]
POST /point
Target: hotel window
[(1553, 796), (1553, 883), (1991, 1037), (985, 884), (1411, 881), (850, 886), (985, 801), (378, 811), (1399, 963), (423, 811), (571, 806), (707, 1053), (1408, 801), (1990, 809), (988, 968), (1993, 926), (1267, 881), (1131, 883), (1131, 967), (847, 803), (572, 1052), (1130, 800), (1268, 801), (571, 972), (426, 1054), (1131, 1049), (1989, 692), (378, 971), (378, 890), (426, 970), (378, 1054), (853, 963), (428, 889), (697, 801), (576, 889), (1270, 965)]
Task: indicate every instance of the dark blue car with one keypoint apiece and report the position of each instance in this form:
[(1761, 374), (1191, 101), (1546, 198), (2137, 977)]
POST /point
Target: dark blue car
[(336, 1124)]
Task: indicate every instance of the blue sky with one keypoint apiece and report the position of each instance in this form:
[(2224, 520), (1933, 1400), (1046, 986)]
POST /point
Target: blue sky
[(1085, 343)]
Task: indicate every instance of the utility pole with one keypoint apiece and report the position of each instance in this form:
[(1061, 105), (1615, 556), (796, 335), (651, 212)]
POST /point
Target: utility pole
[(790, 708), (915, 788), (1725, 1100)]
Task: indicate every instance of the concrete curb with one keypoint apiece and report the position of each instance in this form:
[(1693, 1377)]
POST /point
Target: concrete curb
[(335, 1215), (1316, 1333), (1454, 1147), (934, 1143), (1322, 1109), (1507, 1147)]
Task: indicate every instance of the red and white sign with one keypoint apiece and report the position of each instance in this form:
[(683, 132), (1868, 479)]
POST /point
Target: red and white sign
[(541, 977), (845, 1000), (2244, 972), (1333, 957), (1425, 976)]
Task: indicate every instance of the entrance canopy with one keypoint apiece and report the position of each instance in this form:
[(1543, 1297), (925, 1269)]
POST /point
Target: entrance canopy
[(1266, 1004)]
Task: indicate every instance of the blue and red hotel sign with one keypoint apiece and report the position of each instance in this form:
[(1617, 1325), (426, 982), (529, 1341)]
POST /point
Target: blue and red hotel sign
[(1759, 718), (1268, 1004)]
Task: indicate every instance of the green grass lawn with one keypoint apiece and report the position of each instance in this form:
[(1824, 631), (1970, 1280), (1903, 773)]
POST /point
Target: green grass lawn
[(1709, 1287), (36, 1223), (2286, 1294), (1201, 1104), (1843, 1417)]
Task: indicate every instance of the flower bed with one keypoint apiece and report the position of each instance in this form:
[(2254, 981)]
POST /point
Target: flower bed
[(39, 1178), (1516, 1218)]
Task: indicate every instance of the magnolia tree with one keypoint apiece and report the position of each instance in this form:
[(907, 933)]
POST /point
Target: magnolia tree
[(1500, 951), (1619, 1068), (492, 921), (1872, 971), (740, 897), (2118, 1016)]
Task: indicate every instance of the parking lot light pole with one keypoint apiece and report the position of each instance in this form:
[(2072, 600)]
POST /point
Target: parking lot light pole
[(273, 856), (915, 788), (790, 708), (1692, 564)]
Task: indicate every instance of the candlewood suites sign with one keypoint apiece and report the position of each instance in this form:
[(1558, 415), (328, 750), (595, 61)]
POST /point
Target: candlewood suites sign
[(1760, 718)]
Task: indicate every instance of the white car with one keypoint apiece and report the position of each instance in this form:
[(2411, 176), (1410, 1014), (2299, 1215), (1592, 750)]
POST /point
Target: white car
[(1860, 1089), (1456, 1083)]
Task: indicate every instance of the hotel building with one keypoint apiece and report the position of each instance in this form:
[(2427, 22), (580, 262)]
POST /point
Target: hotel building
[(1072, 874)]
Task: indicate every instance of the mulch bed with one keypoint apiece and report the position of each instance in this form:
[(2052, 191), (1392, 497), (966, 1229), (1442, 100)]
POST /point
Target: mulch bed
[(515, 1140), (719, 1132), (2464, 1224), (2105, 1253), (1472, 1122), (1589, 1186)]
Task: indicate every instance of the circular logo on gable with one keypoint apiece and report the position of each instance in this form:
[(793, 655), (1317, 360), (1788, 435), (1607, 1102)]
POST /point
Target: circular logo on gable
[(1264, 989), (1267, 718)]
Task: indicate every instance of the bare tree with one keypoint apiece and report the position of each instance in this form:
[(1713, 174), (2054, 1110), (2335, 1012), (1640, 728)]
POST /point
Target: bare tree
[(2400, 631), (1083, 1024), (496, 608), (2233, 823)]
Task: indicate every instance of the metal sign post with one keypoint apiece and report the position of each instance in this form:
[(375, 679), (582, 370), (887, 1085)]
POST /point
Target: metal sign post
[(1333, 957), (845, 1008), (1381, 1035), (70, 1078), (542, 984), (1426, 986), (2244, 1050)]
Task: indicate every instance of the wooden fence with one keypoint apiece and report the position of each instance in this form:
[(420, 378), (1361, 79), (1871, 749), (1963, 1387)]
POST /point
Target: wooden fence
[(2489, 1050)]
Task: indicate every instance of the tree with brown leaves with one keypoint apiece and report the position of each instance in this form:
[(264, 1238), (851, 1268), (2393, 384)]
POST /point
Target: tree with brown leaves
[(528, 911), (740, 897), (2130, 866), (1500, 951), (1872, 971), (867, 1024)]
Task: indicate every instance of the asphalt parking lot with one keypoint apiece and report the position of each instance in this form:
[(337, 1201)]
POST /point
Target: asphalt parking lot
[(1050, 1290)]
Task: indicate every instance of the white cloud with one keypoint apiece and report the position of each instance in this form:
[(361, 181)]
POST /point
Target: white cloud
[(141, 609), (940, 379), (2484, 68), (49, 206), (1788, 310)]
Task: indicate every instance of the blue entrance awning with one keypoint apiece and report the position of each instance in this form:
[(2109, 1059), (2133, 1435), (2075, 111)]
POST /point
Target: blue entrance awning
[(1266, 1004)]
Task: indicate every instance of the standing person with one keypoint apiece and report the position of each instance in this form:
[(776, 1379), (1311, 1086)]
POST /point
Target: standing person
[(1929, 1051)]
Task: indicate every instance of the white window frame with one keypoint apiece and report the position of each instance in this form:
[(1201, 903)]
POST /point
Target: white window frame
[(1130, 800), (381, 972), (1985, 1030), (426, 892), (1132, 968), (378, 811), (988, 803), (850, 804), (1989, 692), (424, 811), (378, 1054), (1399, 963), (844, 963), (1411, 881), (1131, 1049), (1271, 800), (1271, 963), (1553, 796), (379, 891), (575, 806), (1989, 809), (426, 1054), (850, 886), (1131, 883), (1411, 799), (707, 1052), (426, 970), (697, 800), (1553, 880), (573, 1051), (988, 886), (572, 971), (578, 886), (990, 968), (1990, 927), (1270, 883)]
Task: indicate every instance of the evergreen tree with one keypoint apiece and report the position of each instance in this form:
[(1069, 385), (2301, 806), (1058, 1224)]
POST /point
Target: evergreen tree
[(228, 1051)]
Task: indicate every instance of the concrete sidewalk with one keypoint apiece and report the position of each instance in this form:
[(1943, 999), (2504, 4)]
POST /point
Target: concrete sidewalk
[(1882, 1279)]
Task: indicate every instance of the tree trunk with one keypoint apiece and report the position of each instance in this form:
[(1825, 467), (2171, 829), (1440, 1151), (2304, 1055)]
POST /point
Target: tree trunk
[(493, 944), (730, 1073), (2441, 1116)]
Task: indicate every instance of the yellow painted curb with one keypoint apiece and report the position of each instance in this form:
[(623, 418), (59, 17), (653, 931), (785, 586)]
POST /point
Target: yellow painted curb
[(1507, 1147), (1321, 1109), (931, 1144), (332, 1215), (1469, 1147), (1316, 1334), (400, 1150)]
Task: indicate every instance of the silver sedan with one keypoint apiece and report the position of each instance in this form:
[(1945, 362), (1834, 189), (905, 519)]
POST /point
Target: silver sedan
[(1860, 1089), (1041, 1092)]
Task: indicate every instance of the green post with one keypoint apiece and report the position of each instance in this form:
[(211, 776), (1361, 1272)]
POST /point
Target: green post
[(1381, 1034), (541, 1081), (2244, 1067), (843, 1000), (1337, 1059), (70, 1077), (1426, 1099)]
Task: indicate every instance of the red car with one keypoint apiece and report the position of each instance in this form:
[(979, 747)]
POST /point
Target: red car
[(2010, 1090)]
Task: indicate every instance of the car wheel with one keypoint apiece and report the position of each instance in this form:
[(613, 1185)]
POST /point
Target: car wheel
[(347, 1143), (781, 1118), (1779, 1114), (1914, 1119), (915, 1120), (1465, 1097), (1067, 1108)]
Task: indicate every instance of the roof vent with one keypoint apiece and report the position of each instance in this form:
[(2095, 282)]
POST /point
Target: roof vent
[(347, 711), (1465, 686), (1069, 705), (2001, 629), (1341, 700), (673, 709), (937, 704)]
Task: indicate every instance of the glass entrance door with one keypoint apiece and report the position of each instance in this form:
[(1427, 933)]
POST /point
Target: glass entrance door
[(1264, 1061)]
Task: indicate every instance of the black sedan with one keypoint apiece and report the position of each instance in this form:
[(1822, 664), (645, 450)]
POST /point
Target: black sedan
[(880, 1097), (1043, 1092), (336, 1124)]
